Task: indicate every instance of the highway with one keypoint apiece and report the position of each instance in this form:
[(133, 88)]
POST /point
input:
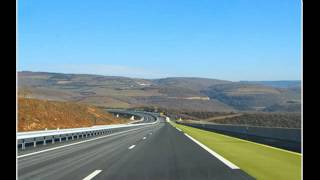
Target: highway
[(156, 151)]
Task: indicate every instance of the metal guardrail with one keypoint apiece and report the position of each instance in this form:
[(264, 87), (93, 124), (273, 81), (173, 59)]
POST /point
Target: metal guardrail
[(34, 137)]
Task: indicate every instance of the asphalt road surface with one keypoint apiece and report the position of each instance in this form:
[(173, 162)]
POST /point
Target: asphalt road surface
[(148, 153)]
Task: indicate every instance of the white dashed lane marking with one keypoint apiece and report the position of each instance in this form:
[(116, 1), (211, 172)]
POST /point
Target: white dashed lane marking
[(92, 175), (131, 146)]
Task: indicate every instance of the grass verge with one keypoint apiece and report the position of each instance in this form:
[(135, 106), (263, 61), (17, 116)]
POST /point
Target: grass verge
[(261, 162)]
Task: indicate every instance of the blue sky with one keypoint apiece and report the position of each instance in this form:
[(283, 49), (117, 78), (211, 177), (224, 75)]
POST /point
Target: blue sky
[(231, 40)]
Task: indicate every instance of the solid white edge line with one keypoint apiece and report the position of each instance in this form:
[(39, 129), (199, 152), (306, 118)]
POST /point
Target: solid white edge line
[(226, 162), (178, 129), (59, 147), (90, 176), (132, 146)]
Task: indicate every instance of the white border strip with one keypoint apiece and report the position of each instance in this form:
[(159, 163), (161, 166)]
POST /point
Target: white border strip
[(226, 162)]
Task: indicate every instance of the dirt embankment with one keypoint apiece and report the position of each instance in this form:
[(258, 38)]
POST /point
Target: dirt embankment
[(34, 114)]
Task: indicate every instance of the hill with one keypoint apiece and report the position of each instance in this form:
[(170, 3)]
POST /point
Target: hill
[(193, 83), (179, 93), (34, 114), (243, 96), (286, 120), (252, 118), (277, 84)]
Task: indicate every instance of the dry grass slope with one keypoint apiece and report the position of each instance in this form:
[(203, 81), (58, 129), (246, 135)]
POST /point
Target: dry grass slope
[(36, 114)]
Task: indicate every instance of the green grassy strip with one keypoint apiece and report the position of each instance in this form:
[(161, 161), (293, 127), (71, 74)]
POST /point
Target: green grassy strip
[(259, 161)]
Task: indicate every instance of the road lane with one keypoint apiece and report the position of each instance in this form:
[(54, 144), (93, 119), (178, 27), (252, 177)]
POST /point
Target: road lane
[(164, 153), (74, 162), (169, 154)]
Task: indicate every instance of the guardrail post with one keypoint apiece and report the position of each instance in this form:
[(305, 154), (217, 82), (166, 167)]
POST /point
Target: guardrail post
[(67, 137), (52, 139), (23, 146), (72, 136), (60, 139), (44, 141), (34, 142)]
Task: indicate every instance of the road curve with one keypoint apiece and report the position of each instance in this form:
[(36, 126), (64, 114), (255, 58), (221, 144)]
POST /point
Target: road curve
[(153, 152)]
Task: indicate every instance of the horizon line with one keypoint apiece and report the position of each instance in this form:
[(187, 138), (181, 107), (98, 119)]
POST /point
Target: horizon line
[(151, 78)]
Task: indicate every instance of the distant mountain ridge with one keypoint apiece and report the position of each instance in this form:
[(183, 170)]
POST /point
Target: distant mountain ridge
[(180, 93), (277, 84)]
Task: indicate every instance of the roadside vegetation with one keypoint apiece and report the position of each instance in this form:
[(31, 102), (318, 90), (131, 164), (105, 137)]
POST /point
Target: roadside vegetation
[(250, 118), (283, 119), (260, 161)]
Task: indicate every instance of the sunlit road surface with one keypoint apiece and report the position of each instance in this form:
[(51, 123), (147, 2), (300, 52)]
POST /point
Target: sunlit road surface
[(154, 152)]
